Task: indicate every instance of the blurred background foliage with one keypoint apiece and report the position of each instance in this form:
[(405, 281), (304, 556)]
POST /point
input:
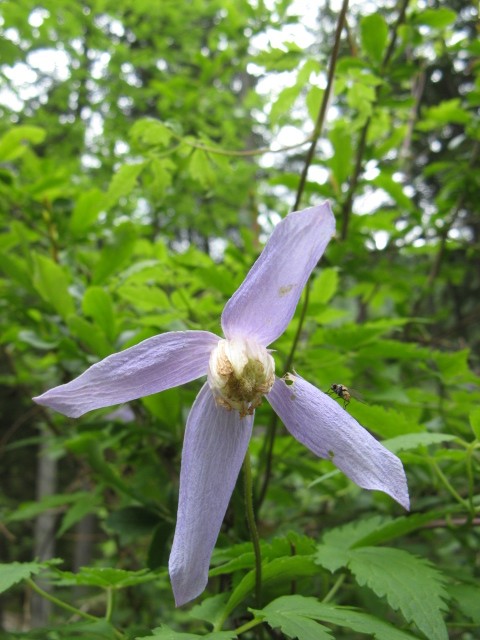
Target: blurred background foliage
[(147, 149)]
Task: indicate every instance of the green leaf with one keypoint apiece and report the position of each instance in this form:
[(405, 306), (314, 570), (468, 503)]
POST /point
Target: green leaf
[(332, 552), (89, 335), (410, 584), (467, 596), (86, 210), (201, 168), (446, 112), (97, 304), (373, 36), (165, 633), (84, 505), (313, 101), (14, 143), (132, 522), (151, 132), (292, 622), (392, 529), (116, 255), (413, 440), (278, 570), (105, 577), (299, 617), (341, 161), (474, 418), (15, 572), (50, 281), (29, 510), (394, 189), (145, 297), (324, 286), (122, 183), (437, 18), (284, 102)]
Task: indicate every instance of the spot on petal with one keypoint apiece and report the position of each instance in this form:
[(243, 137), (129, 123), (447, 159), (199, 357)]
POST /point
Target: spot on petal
[(285, 290)]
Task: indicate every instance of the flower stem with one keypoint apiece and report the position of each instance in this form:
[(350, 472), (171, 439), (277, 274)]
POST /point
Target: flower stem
[(317, 132), (448, 486), (247, 471)]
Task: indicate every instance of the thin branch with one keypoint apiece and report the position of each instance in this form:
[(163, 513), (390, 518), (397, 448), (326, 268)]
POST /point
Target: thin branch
[(347, 205), (319, 124)]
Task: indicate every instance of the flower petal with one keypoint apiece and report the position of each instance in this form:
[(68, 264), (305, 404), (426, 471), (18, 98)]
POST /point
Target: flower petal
[(265, 302), (153, 365), (215, 444), (318, 422)]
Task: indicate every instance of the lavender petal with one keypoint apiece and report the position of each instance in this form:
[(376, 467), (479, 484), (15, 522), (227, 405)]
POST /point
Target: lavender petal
[(156, 364), (216, 441), (265, 302), (318, 422)]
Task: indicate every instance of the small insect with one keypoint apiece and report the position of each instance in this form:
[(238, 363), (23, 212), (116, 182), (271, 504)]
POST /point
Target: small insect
[(342, 392)]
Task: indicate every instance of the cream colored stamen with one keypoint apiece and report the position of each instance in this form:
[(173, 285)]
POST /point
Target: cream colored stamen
[(240, 372)]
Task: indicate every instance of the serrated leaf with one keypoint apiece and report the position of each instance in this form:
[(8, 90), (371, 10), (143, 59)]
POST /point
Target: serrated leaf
[(50, 281), (413, 440), (165, 633), (332, 552), (298, 617), (295, 625), (15, 572), (410, 584), (105, 577), (373, 35), (391, 529)]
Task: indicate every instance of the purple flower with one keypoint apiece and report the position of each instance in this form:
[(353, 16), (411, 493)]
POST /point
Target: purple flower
[(240, 371)]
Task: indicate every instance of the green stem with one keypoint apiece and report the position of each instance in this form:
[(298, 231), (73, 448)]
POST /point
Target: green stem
[(66, 606), (60, 603), (338, 583), (448, 486), (110, 600), (247, 626), (245, 153), (319, 124), (247, 470), (317, 132)]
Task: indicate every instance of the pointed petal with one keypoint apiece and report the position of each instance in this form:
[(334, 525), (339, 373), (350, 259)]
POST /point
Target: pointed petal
[(265, 302), (318, 422), (216, 441), (156, 364)]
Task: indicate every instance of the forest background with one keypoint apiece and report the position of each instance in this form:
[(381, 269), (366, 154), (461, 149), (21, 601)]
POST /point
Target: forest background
[(147, 150)]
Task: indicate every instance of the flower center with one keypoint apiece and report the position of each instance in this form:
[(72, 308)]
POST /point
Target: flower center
[(240, 372)]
